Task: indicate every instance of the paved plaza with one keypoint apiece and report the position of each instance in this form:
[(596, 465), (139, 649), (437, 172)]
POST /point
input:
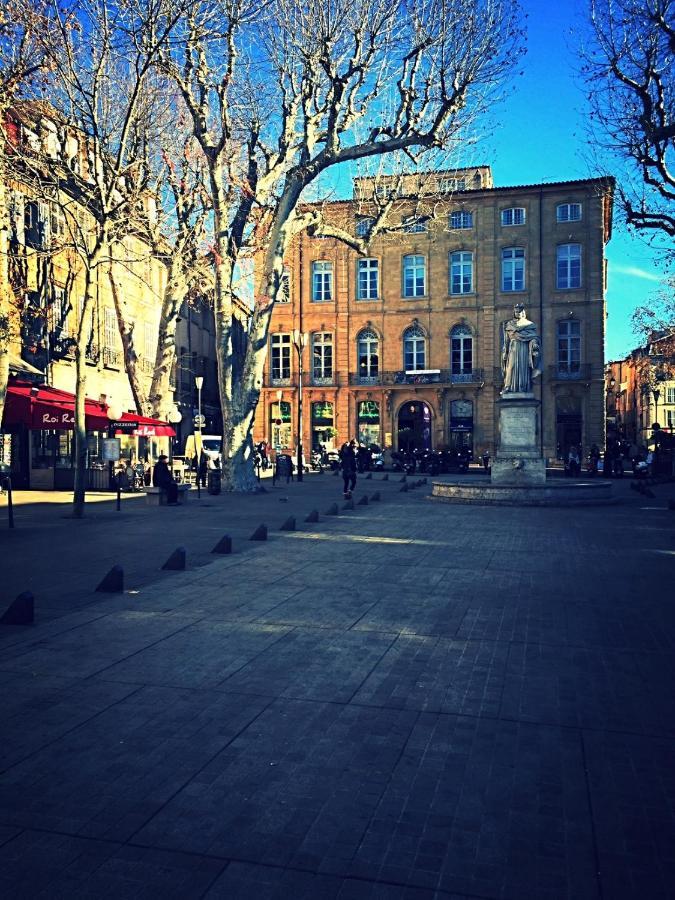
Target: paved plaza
[(409, 699)]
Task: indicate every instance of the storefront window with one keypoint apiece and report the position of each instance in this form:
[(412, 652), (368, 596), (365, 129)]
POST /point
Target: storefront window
[(461, 425), (323, 422), (368, 416), (280, 426)]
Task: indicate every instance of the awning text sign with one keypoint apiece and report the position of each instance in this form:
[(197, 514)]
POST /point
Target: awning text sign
[(126, 426), (60, 419)]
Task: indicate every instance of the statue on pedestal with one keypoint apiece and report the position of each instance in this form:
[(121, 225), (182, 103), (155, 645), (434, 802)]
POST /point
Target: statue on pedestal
[(521, 353)]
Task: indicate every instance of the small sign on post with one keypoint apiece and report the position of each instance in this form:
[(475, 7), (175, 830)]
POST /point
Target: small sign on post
[(199, 421), (112, 449)]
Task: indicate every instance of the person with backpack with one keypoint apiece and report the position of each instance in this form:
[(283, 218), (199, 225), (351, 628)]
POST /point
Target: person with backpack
[(348, 464)]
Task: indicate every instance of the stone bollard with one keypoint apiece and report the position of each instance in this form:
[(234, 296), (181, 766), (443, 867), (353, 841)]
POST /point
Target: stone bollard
[(21, 611), (313, 516), (224, 545), (332, 510), (176, 562), (289, 524), (260, 534), (113, 582)]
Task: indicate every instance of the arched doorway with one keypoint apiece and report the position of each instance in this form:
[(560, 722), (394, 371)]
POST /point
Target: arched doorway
[(414, 427)]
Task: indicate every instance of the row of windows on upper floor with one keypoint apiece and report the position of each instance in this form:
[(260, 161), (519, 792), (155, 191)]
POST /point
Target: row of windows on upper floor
[(461, 274), (415, 351), (463, 219)]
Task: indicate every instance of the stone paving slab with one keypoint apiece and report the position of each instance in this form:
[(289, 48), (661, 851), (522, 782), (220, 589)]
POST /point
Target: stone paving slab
[(632, 789), (242, 881), (64, 867), (96, 645), (313, 665), (204, 655), (41, 709), (438, 675), (408, 700), (108, 777), (603, 689)]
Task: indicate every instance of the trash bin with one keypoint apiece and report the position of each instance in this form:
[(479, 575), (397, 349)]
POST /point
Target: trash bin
[(213, 481)]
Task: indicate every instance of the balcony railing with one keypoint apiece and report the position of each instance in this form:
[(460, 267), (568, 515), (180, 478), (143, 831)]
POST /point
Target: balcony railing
[(390, 379), (308, 380), (436, 376), (111, 358)]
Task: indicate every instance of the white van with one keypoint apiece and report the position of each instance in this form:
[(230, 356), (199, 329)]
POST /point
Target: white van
[(211, 443)]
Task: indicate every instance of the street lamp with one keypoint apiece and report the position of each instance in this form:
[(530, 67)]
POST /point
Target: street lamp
[(299, 339), (656, 393), (199, 383), (114, 413)]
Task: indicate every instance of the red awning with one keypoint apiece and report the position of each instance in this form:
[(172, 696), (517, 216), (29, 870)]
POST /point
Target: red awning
[(43, 407), (148, 427)]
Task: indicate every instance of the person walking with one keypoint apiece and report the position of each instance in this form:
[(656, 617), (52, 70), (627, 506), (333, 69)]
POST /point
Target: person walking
[(203, 468), (348, 463)]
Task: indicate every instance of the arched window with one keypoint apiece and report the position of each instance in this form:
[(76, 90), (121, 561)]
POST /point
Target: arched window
[(414, 349), (461, 352), (368, 351)]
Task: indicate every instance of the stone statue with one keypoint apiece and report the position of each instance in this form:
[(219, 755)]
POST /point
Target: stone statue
[(521, 353)]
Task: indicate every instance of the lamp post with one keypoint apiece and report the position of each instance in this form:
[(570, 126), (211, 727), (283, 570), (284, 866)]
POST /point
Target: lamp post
[(299, 339), (175, 416), (199, 383), (114, 413), (656, 394)]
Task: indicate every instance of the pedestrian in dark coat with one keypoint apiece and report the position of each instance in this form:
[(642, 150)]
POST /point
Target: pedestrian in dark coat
[(348, 463), (161, 478), (203, 468)]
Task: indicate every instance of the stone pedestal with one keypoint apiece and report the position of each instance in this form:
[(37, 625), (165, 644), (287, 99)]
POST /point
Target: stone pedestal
[(518, 461)]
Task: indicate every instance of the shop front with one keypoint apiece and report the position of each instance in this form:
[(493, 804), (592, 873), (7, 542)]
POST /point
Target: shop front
[(38, 443), (368, 422), (414, 427), (460, 435), (323, 424), (280, 425)]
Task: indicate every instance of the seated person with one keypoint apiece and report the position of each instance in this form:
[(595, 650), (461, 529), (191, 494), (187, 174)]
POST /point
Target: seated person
[(161, 478)]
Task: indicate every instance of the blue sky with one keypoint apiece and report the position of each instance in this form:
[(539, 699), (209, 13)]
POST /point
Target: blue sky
[(540, 137), (537, 134)]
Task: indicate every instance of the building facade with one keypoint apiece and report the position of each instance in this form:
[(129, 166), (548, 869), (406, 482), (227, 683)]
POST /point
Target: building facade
[(48, 225), (401, 346), (641, 391)]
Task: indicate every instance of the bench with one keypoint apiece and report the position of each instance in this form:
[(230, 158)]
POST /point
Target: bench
[(156, 496)]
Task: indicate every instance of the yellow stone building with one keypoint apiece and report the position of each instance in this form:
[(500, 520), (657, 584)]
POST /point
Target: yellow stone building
[(402, 344), (47, 220)]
